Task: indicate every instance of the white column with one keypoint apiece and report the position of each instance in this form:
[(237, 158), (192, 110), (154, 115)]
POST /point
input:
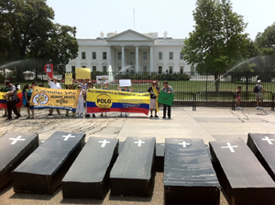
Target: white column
[(137, 59), (109, 57), (122, 57), (151, 59)]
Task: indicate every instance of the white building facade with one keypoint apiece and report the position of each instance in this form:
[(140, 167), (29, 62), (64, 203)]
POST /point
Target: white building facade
[(130, 51)]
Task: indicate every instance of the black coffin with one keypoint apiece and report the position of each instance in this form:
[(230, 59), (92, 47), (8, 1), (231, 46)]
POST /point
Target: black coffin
[(188, 173), (241, 175), (263, 146), (133, 173), (14, 148), (88, 177), (44, 169), (159, 160)]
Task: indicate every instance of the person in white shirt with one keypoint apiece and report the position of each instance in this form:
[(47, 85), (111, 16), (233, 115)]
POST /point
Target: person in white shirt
[(54, 85), (80, 103)]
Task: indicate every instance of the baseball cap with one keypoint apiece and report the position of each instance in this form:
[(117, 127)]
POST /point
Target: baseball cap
[(259, 81)]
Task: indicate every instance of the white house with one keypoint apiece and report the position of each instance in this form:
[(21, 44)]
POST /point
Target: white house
[(130, 51)]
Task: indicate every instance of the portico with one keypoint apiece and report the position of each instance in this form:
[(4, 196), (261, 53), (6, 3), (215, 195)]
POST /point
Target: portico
[(130, 51)]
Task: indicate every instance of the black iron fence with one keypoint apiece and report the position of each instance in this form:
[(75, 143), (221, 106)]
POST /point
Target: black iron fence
[(191, 89)]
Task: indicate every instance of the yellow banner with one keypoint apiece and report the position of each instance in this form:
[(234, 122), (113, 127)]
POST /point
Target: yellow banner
[(54, 98), (83, 73), (68, 78), (117, 101)]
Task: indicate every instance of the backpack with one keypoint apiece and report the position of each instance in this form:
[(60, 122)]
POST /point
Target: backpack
[(257, 89)]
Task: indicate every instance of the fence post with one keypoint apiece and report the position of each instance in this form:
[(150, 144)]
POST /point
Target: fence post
[(233, 102), (272, 103), (194, 102)]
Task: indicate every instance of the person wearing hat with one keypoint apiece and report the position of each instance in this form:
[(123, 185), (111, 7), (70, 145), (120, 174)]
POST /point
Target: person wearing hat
[(11, 98), (54, 85), (80, 103), (154, 92), (258, 89), (90, 86)]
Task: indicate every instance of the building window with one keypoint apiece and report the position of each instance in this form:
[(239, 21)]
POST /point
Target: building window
[(181, 69), (181, 56), (144, 68), (170, 69), (144, 55), (160, 70), (73, 69), (170, 55), (83, 55), (105, 69), (94, 68), (104, 55), (119, 56), (132, 56), (83, 66), (94, 55), (119, 68), (160, 55)]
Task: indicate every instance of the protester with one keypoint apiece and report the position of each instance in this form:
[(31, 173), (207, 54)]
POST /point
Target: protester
[(105, 87), (34, 83), (11, 98), (80, 104), (238, 97), (54, 85), (19, 94), (90, 86), (258, 89), (154, 93), (70, 87), (168, 89), (125, 89), (84, 86), (27, 93), (5, 89)]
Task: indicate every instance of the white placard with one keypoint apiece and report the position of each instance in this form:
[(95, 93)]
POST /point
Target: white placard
[(102, 79), (124, 82)]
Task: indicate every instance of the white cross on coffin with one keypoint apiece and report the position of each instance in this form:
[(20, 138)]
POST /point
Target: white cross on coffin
[(184, 144), (231, 148), (16, 139), (139, 143), (67, 137), (268, 140), (104, 142)]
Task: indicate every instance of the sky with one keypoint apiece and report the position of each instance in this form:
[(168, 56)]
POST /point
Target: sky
[(91, 17)]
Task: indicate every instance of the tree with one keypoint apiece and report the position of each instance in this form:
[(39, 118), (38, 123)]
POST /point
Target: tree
[(265, 42), (33, 35), (217, 40)]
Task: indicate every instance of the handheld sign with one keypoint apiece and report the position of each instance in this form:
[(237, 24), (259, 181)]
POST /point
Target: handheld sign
[(49, 70), (124, 83), (83, 73), (68, 78), (102, 79), (166, 98)]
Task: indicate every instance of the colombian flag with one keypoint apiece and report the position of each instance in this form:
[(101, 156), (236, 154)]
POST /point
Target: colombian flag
[(3, 103), (117, 101), (20, 96)]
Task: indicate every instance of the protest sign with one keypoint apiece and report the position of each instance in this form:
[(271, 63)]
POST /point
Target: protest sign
[(124, 82), (48, 68), (68, 78), (43, 98), (99, 101), (102, 79), (166, 98), (83, 73)]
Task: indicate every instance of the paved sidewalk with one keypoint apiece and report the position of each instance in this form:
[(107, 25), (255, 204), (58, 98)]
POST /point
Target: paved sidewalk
[(207, 123)]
